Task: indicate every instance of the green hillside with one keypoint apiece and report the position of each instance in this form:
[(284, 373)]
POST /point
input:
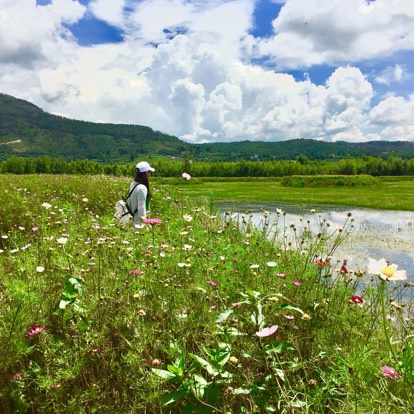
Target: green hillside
[(28, 131)]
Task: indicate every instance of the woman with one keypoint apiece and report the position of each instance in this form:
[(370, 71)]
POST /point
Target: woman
[(140, 192)]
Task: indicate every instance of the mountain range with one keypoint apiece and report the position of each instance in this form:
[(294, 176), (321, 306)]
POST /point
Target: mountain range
[(28, 131)]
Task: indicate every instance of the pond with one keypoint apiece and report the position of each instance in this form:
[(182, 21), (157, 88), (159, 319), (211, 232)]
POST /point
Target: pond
[(378, 234)]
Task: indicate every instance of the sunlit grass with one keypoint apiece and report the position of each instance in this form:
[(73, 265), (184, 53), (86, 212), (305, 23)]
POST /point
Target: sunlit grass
[(387, 195), (196, 313)]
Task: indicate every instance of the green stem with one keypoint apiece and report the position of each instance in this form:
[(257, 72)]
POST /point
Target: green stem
[(384, 319)]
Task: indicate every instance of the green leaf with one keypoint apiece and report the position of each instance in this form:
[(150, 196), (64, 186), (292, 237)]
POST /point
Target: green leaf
[(162, 373), (205, 364), (199, 379), (63, 304), (224, 316), (287, 306), (280, 373), (173, 396), (241, 391), (278, 347), (82, 325), (177, 371)]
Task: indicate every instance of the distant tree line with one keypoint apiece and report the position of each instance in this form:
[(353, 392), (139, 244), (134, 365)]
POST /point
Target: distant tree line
[(375, 166)]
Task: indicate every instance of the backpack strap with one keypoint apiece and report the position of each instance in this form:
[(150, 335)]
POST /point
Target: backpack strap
[(129, 194), (126, 203)]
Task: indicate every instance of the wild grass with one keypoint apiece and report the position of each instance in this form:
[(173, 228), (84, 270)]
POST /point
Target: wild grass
[(200, 313), (395, 194)]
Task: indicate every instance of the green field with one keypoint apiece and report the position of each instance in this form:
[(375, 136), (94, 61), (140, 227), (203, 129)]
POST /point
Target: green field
[(197, 314), (389, 195)]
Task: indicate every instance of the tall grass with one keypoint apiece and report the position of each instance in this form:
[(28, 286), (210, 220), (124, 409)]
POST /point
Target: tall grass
[(200, 313)]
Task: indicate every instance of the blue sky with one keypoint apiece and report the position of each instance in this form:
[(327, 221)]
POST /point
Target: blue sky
[(221, 70)]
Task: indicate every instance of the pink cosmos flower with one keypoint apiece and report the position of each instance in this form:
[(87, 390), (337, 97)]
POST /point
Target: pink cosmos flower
[(34, 330), (211, 283), (267, 331), (186, 176), (237, 304), (95, 350), (152, 221), (155, 361), (297, 283), (281, 274), (356, 299), (390, 372), (135, 272), (17, 376), (35, 228)]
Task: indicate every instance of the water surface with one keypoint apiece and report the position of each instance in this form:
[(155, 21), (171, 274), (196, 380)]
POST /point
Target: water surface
[(378, 234)]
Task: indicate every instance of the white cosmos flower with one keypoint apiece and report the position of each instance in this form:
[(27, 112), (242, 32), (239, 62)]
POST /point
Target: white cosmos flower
[(187, 217), (62, 240), (254, 266), (385, 271), (46, 205), (271, 264), (40, 269)]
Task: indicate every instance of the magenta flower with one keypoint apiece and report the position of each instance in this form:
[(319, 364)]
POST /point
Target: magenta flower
[(152, 221), (211, 283), (135, 272), (34, 330), (356, 299), (297, 283), (267, 331), (390, 372), (344, 270)]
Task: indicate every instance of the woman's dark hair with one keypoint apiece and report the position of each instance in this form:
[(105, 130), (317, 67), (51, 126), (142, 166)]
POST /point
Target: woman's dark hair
[(142, 178)]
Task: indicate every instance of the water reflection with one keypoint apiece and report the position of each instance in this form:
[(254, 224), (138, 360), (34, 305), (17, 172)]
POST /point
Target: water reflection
[(376, 233)]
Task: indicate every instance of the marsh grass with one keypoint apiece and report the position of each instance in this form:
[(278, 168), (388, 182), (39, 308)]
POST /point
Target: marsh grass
[(392, 193), (199, 313)]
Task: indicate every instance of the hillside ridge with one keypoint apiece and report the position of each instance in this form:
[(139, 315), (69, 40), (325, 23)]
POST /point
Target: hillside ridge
[(28, 131)]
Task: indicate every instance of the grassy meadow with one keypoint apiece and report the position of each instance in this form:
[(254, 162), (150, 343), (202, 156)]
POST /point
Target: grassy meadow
[(391, 193), (199, 313)]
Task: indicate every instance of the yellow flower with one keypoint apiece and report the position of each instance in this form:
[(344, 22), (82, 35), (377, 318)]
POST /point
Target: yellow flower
[(233, 359)]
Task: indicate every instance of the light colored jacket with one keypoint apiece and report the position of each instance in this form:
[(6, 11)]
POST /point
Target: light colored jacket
[(137, 201)]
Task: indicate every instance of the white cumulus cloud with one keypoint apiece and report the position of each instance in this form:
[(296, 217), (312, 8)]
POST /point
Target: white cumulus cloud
[(194, 69)]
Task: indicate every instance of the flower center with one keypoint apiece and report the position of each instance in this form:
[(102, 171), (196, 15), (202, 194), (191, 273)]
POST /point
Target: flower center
[(388, 271)]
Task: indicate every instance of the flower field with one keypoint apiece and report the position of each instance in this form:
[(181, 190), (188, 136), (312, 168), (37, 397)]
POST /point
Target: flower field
[(193, 312)]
